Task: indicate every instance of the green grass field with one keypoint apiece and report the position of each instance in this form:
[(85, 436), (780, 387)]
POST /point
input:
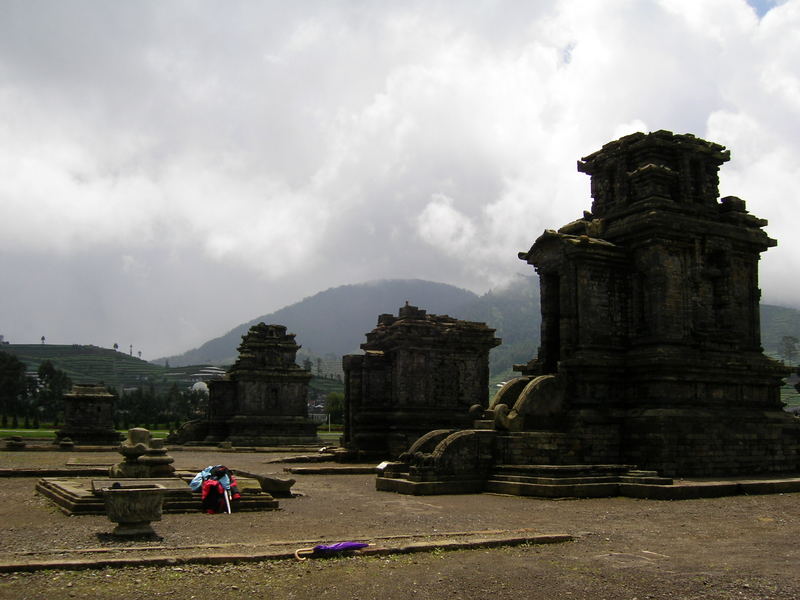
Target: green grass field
[(331, 436), (49, 434)]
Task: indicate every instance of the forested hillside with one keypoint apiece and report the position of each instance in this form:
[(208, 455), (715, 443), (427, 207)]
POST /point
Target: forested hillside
[(334, 322), (88, 364)]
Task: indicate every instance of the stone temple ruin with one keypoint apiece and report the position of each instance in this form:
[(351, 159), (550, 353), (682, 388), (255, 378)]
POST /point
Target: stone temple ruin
[(144, 483), (650, 343), (88, 416), (263, 399), (418, 371)]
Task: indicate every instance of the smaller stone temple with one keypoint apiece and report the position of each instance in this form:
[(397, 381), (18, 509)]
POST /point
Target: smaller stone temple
[(418, 372), (88, 416), (262, 401)]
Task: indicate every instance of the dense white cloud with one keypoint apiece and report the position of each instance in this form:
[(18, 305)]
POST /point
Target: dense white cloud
[(173, 169)]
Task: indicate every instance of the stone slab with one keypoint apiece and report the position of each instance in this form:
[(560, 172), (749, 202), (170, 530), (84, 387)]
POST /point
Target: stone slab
[(83, 462), (680, 490), (426, 488), (57, 472), (77, 496), (561, 490), (208, 558), (171, 485), (347, 470)]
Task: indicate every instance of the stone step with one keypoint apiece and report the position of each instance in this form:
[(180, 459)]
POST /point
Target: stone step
[(565, 470), (647, 480), (640, 473), (581, 480), (74, 496), (553, 480), (577, 490)]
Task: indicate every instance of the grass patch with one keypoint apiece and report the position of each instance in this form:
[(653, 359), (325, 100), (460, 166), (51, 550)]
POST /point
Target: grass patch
[(29, 433), (333, 436), (50, 434)]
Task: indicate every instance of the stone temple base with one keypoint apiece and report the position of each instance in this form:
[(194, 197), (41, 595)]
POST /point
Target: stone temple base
[(126, 530), (484, 460), (83, 496), (89, 437), (586, 481), (705, 443), (275, 440), (544, 481), (263, 431)]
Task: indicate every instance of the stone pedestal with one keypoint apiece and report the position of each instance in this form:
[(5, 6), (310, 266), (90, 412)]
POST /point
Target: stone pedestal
[(145, 457)]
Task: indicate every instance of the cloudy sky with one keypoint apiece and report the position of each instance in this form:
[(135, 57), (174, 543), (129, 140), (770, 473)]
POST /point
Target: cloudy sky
[(170, 169)]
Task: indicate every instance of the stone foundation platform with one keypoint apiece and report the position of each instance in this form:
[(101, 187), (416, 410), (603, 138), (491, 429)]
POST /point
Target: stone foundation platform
[(588, 481), (82, 496)]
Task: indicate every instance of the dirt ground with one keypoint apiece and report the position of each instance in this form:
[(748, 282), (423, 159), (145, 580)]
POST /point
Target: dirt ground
[(737, 547)]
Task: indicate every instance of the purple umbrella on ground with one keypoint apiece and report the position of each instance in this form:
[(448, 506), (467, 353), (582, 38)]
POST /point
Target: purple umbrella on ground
[(323, 550)]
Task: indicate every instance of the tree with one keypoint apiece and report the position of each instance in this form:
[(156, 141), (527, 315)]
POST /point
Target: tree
[(42, 339), (788, 348), (54, 383), (797, 385), (334, 406), (116, 346), (13, 386)]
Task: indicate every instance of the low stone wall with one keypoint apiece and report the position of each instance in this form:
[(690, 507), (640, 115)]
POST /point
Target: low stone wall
[(695, 443), (586, 444)]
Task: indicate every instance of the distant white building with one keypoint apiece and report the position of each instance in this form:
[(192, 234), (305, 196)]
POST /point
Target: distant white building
[(208, 373)]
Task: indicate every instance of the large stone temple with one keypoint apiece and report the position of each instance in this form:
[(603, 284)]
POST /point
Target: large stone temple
[(262, 401), (418, 372), (650, 350)]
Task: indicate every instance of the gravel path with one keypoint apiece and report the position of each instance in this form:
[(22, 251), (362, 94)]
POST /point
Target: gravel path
[(737, 547)]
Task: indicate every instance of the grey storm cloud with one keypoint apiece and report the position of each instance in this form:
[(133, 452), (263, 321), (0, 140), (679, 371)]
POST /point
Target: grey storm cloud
[(172, 169)]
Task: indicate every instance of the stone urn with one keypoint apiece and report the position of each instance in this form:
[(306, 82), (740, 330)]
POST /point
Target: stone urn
[(133, 507)]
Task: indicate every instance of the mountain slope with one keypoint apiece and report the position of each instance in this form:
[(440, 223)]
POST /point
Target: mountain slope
[(88, 364), (513, 311), (335, 321), (776, 322)]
